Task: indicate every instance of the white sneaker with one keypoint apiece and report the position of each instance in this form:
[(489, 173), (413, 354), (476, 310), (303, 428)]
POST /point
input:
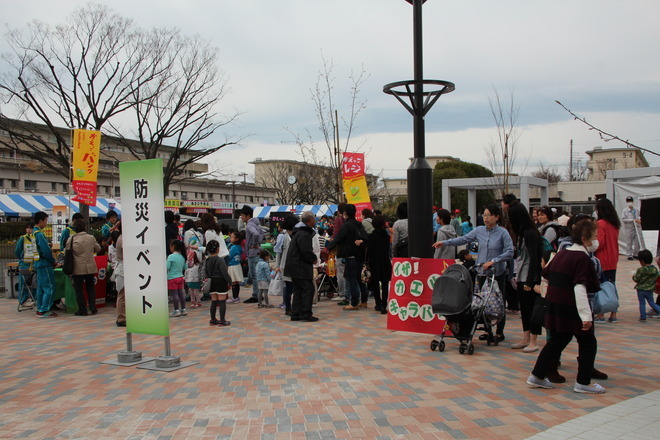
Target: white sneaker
[(588, 389), (175, 313), (655, 316), (183, 312), (535, 382), (30, 303)]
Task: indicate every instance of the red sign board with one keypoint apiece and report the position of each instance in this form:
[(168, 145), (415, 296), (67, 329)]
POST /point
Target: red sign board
[(101, 279), (411, 290)]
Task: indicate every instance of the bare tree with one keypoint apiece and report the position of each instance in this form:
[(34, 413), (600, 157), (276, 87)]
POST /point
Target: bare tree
[(549, 173), (88, 72), (327, 114), (178, 108), (76, 75), (503, 153), (307, 189)]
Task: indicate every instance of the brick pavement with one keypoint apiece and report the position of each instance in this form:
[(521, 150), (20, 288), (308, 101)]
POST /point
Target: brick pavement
[(268, 378)]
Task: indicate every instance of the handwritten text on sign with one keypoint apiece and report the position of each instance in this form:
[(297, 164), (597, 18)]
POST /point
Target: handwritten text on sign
[(411, 290)]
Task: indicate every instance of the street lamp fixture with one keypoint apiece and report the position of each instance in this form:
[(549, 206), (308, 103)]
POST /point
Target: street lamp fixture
[(418, 102), (233, 184)]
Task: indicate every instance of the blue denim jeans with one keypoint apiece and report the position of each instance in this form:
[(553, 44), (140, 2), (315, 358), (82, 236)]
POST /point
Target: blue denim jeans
[(352, 275), (252, 267), (646, 296)]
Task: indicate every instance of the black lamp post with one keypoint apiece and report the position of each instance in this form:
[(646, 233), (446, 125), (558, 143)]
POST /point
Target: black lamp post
[(420, 174)]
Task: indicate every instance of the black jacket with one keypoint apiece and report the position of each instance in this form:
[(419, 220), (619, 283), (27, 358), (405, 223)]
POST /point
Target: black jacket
[(532, 241), (350, 231), (300, 258), (378, 255)]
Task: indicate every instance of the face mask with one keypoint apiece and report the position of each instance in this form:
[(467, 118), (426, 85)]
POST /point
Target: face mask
[(593, 247), (630, 205)]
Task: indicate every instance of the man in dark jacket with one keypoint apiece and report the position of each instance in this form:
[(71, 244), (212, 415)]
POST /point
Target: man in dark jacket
[(352, 254), (300, 267)]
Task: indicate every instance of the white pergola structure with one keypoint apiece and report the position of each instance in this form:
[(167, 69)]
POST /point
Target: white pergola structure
[(524, 183)]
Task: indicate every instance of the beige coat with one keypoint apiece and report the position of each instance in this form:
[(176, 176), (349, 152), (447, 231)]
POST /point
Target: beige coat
[(84, 248)]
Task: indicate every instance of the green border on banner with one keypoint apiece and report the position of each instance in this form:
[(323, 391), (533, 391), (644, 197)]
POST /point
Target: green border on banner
[(143, 231)]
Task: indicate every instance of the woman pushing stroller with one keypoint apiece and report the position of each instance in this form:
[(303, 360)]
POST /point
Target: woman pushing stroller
[(495, 249)]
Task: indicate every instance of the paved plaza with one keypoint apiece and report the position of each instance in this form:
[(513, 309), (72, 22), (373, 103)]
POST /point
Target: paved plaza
[(345, 376)]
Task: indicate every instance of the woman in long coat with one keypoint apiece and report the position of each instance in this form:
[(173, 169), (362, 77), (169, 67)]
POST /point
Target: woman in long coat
[(84, 266)]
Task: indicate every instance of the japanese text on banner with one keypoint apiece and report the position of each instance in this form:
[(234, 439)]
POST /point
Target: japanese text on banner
[(411, 291), (86, 152), (355, 182), (144, 247)]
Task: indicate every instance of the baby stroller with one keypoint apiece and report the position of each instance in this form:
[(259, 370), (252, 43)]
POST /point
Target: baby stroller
[(466, 307)]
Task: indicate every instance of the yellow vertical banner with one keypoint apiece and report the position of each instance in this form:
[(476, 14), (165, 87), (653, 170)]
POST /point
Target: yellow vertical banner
[(86, 153), (355, 182)]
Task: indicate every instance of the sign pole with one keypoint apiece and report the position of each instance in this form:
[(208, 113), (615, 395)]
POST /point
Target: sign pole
[(143, 223)]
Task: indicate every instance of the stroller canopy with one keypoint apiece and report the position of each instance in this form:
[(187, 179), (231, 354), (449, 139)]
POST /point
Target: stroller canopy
[(452, 292)]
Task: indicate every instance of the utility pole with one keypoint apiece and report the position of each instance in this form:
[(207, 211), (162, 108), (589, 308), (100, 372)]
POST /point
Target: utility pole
[(570, 163), (340, 185)]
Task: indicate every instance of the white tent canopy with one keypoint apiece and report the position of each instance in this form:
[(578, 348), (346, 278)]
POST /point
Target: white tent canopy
[(26, 205)]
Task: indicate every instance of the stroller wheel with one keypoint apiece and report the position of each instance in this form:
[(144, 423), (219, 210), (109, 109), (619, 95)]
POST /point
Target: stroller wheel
[(434, 344), (461, 349), (470, 349), (441, 346)]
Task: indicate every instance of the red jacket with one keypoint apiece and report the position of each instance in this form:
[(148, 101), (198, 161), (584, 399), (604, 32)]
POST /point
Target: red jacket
[(608, 245)]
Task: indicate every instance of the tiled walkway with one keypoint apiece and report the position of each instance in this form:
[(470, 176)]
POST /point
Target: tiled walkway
[(268, 378)]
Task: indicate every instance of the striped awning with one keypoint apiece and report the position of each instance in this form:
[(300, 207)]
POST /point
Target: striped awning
[(318, 210), (26, 205)]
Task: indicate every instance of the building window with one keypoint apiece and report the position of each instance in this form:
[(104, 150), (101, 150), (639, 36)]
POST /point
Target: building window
[(30, 185), (173, 193), (117, 192), (250, 199), (184, 195), (53, 186), (13, 183), (65, 187)]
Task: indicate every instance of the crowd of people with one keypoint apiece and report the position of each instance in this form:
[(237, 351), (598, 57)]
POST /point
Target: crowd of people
[(537, 257)]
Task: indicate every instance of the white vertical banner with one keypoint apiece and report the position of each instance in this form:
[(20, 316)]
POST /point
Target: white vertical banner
[(143, 232)]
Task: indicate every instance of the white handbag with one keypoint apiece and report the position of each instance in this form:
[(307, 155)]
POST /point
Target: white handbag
[(276, 287)]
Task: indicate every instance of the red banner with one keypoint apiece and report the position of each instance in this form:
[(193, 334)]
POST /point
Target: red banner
[(411, 290), (352, 165), (355, 182)]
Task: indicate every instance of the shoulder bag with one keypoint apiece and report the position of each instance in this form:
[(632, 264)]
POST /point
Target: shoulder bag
[(365, 275)]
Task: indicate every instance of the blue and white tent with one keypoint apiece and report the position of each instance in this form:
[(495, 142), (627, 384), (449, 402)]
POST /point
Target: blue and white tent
[(26, 205), (318, 210)]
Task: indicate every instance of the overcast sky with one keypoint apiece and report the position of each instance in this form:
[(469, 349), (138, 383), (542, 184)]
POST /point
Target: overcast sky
[(598, 57)]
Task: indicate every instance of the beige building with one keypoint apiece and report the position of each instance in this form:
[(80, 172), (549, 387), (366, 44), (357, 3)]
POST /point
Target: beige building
[(19, 173), (603, 160)]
